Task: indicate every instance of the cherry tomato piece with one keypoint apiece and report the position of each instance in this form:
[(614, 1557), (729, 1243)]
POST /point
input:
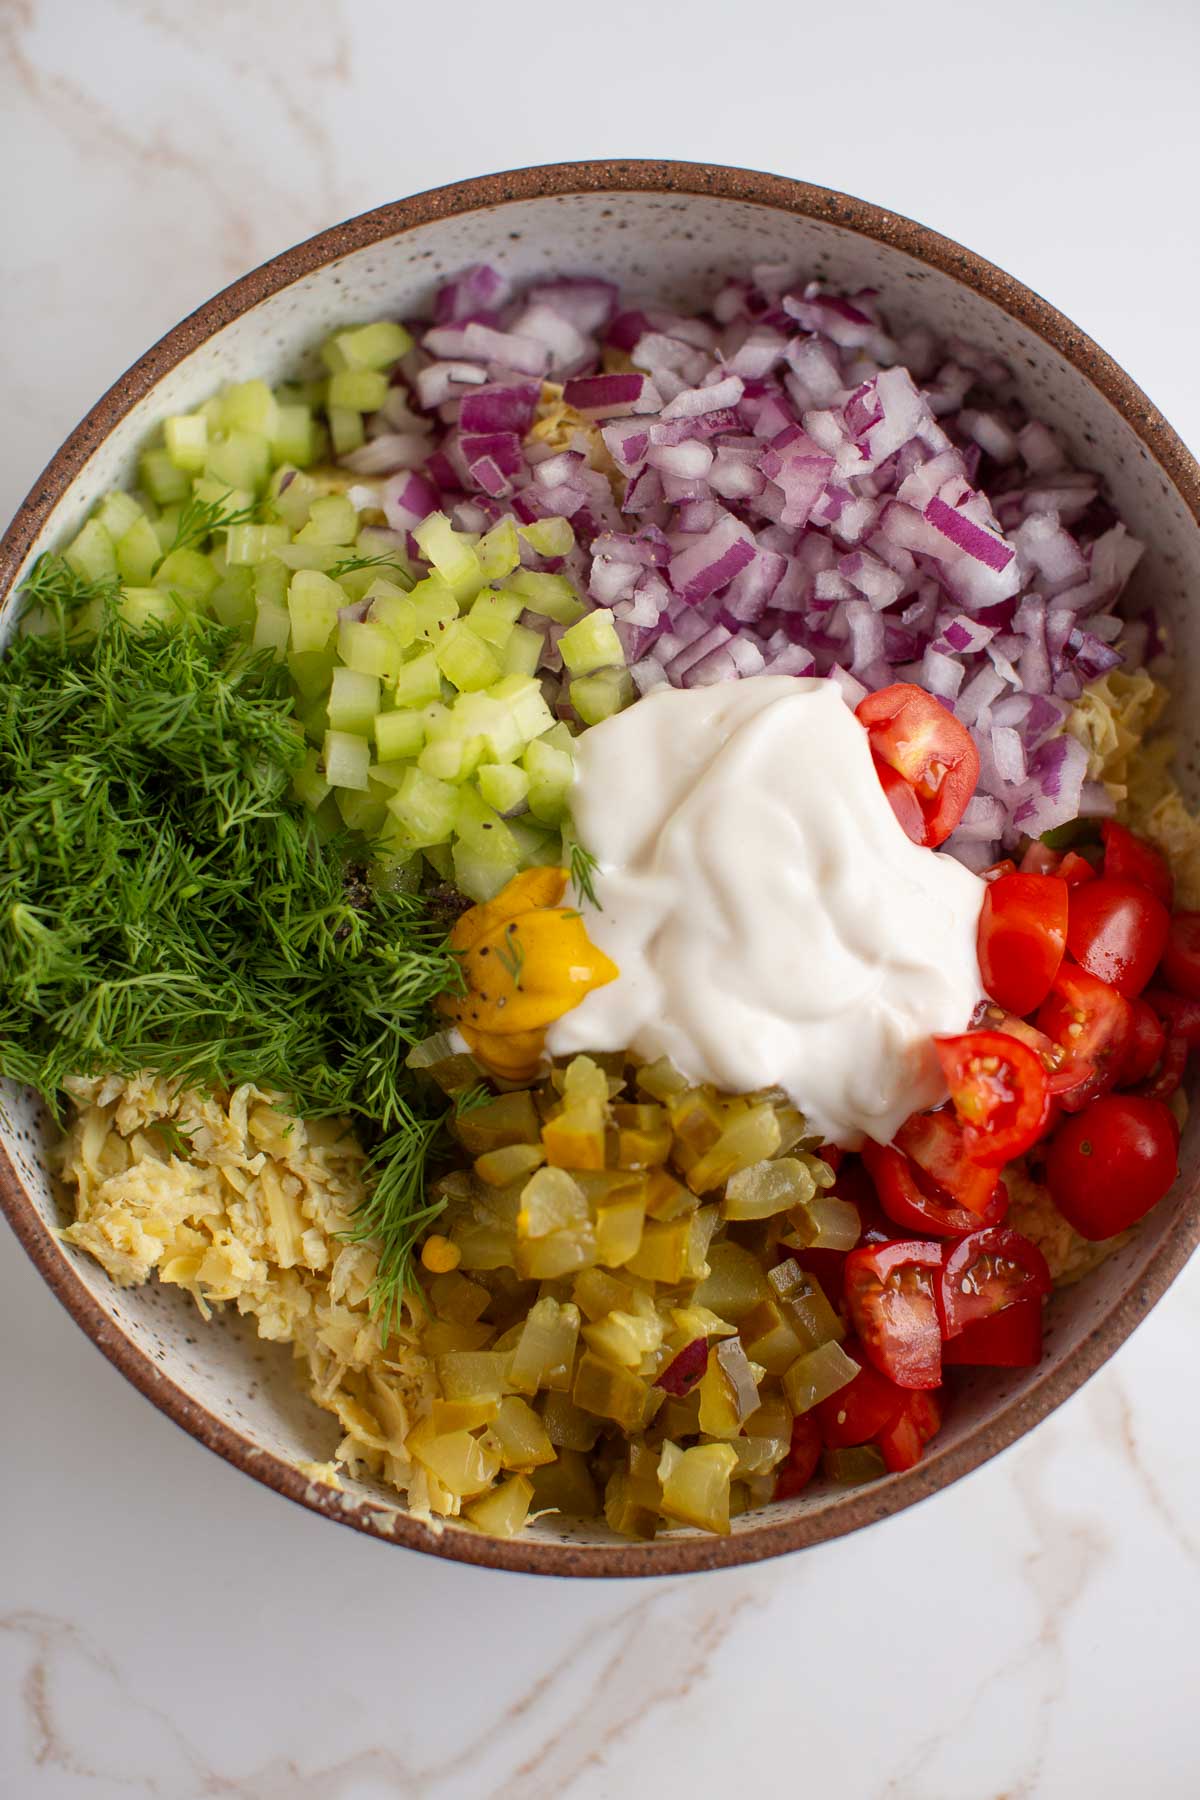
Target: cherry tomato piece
[(1108, 1165), (934, 1141), (891, 1296), (909, 1205), (1022, 939), (1040, 859), (1075, 869), (902, 799), (1006, 866), (1169, 1074), (1147, 1041), (1000, 1093), (1011, 1339), (802, 1458), (1092, 1023), (1117, 930), (1131, 858), (1180, 1015), (862, 1409), (903, 1442), (922, 741), (1181, 958), (1062, 1076), (987, 1272)]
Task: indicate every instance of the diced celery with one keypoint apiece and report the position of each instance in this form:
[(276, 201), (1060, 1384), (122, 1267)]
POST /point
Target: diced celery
[(451, 758), (346, 429), (425, 809), (186, 437), (117, 512), (523, 650), (434, 606), (551, 596), (591, 644), (188, 573), (464, 659), (233, 599), (502, 785), (361, 812), (161, 479), (92, 554), (359, 390), (482, 869), (419, 681), (250, 406), (138, 552), (294, 439), (493, 615), (394, 609), (398, 734), (597, 697), (270, 580), (347, 760), (549, 537), (454, 560), (371, 649), (272, 628), (332, 519), (353, 701), (241, 460), (495, 721), (141, 606), (374, 346), (313, 603), (308, 784), (291, 494), (550, 773), (523, 697), (254, 543), (311, 556), (499, 550)]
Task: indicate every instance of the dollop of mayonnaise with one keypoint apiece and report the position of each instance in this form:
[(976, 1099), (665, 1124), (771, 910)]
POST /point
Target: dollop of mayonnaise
[(771, 922)]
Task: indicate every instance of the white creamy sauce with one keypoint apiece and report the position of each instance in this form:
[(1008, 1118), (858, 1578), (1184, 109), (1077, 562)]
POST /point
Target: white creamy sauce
[(772, 923)]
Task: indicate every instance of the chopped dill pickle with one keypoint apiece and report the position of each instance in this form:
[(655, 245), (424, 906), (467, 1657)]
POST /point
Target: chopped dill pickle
[(816, 1375), (510, 1163), (596, 1292), (473, 1374), (735, 1285), (697, 1122), (566, 1484), (568, 1427), (546, 1352), (509, 1119), (805, 1305), (854, 1467), (461, 1415), (747, 1139), (502, 1512), (766, 1188), (518, 1435), (574, 1139), (462, 1463), (550, 1202), (619, 1230), (661, 1079), (770, 1336), (643, 1136), (663, 1252), (624, 1512), (614, 1393), (695, 1484), (824, 1223)]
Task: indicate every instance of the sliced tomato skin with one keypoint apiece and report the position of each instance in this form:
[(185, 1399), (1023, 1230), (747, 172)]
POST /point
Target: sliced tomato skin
[(1128, 857), (1000, 1093), (903, 801), (1147, 1041), (1168, 1076), (891, 1297), (1075, 869), (1011, 1339), (1117, 930), (911, 1208), (1180, 1015), (987, 1272), (1108, 1165), (862, 1409), (1022, 939), (934, 1142), (919, 738), (1080, 999), (1181, 958), (802, 1458), (902, 1443)]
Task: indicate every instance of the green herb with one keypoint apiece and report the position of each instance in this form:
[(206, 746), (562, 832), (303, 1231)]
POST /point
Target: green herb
[(171, 1132), (200, 518), (397, 1210), (471, 1098), (511, 954), (351, 564), (584, 869)]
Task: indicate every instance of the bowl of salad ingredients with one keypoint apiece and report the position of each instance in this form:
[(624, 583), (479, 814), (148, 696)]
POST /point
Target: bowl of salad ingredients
[(600, 898)]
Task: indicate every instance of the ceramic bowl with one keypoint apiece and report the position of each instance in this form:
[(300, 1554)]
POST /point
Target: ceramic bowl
[(666, 231)]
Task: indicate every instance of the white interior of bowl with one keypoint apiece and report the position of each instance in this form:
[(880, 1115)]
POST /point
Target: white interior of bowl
[(674, 248)]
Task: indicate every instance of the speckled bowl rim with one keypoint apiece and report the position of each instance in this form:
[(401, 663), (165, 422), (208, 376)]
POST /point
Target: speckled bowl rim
[(840, 1512)]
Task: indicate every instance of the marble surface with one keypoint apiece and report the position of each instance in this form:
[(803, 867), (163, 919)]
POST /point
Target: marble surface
[(167, 1628)]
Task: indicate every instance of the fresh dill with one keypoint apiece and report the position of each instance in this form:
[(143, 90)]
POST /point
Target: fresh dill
[(176, 1138), (584, 869), (398, 1209), (471, 1098), (511, 954), (198, 520), (350, 565)]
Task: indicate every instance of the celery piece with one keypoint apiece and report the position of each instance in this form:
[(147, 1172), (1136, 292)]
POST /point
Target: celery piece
[(492, 616), (92, 554), (374, 346), (549, 537), (419, 681), (353, 701), (392, 608), (502, 1511), (502, 785), (695, 1484), (250, 406), (499, 550), (314, 602), (591, 644), (464, 659), (332, 519), (270, 581), (425, 809), (161, 479), (551, 596), (598, 697), (311, 556), (450, 758), (523, 650), (481, 870), (138, 552), (186, 438), (117, 512), (550, 773), (241, 460), (294, 439), (290, 495), (271, 628), (495, 720), (454, 560), (188, 573), (142, 606), (346, 429), (398, 734), (358, 390), (233, 599), (254, 543), (370, 649), (361, 812), (308, 784), (816, 1375), (347, 760)]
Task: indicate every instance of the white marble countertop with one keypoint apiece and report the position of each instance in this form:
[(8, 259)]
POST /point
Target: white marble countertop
[(168, 1628)]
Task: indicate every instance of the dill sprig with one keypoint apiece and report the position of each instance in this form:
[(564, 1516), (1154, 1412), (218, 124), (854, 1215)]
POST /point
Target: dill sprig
[(350, 565), (511, 954), (584, 869), (198, 519), (398, 1208)]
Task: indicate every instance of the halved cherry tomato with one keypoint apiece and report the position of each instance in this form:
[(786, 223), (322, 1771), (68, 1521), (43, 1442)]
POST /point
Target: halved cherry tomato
[(1062, 1076), (903, 1442), (1181, 959), (907, 1204), (902, 799), (1040, 859), (919, 738), (1147, 1041), (853, 1183), (1006, 866), (985, 1273), (1180, 1015), (802, 1458), (1169, 1074), (1092, 1023), (1107, 1166), (1117, 930), (862, 1409), (1075, 869), (1000, 1093), (1131, 858), (891, 1296), (1022, 938), (1011, 1339), (934, 1142)]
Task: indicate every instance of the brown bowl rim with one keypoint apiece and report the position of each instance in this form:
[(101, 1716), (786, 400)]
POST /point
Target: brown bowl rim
[(838, 1513)]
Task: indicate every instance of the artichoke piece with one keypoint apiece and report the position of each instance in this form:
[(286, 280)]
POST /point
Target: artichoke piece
[(766, 1188), (503, 1512), (565, 1486), (568, 1427), (619, 1227), (574, 1137), (735, 1285), (769, 1337), (803, 1297), (518, 1435), (462, 1464), (473, 1374), (461, 1415), (695, 1484), (624, 1339), (509, 1119), (442, 1336), (513, 1162), (643, 1136), (667, 1198), (816, 1375), (661, 1080), (613, 1393), (550, 1202), (624, 1512), (454, 1297), (749, 1137), (824, 1223), (546, 1352), (853, 1467), (663, 1252)]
